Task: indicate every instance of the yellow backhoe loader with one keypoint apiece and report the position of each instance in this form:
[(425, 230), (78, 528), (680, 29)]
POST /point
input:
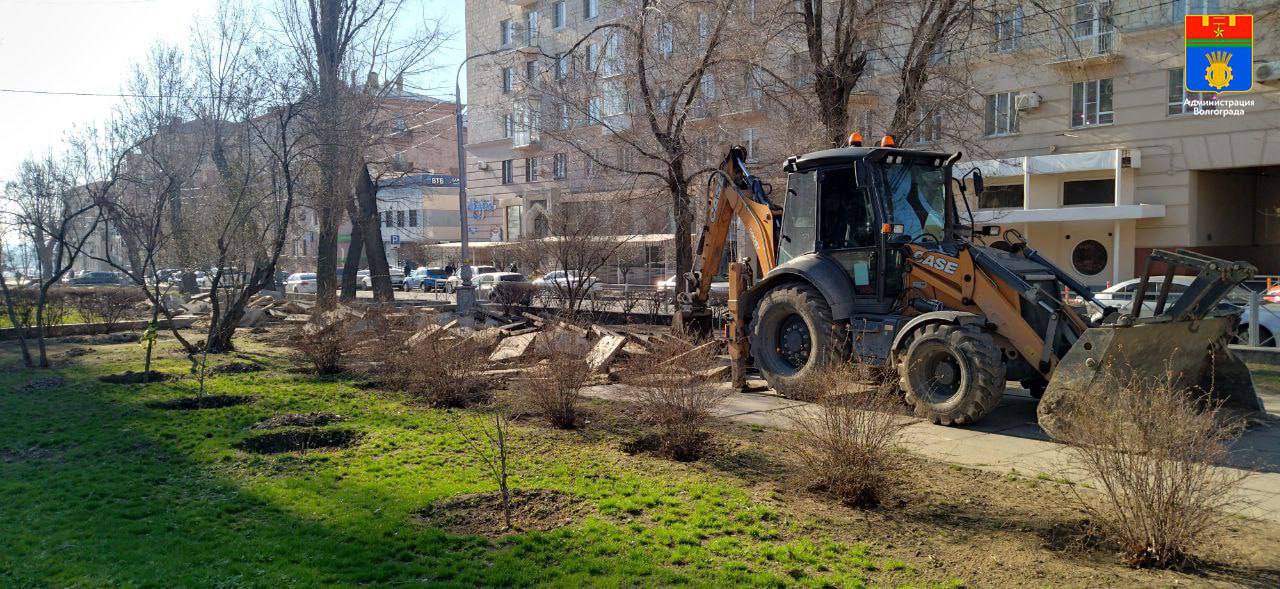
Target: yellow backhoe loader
[(867, 254)]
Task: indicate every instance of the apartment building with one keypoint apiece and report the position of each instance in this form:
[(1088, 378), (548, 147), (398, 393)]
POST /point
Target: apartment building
[(1090, 147), (1097, 154)]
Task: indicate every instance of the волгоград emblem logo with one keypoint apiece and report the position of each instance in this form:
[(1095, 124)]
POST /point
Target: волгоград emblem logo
[(1219, 53)]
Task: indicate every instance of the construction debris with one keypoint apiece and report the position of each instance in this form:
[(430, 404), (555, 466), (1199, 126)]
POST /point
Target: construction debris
[(605, 350), (512, 347)]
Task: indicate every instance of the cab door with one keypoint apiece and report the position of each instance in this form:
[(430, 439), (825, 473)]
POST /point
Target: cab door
[(849, 232)]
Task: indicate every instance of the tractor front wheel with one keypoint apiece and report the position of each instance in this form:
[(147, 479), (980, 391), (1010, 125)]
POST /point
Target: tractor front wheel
[(952, 374), (793, 335)]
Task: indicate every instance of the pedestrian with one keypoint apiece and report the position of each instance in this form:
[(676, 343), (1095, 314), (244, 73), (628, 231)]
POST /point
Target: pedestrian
[(449, 269), (514, 268), (408, 268)]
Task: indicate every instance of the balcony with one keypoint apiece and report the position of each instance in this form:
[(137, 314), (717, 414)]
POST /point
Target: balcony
[(522, 3), (1087, 50)]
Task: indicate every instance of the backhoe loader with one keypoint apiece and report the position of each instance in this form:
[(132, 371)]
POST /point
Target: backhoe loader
[(867, 255)]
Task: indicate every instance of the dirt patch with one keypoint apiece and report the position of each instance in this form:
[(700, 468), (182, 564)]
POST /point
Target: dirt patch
[(42, 384), (300, 440), (32, 454), (77, 352), (237, 368), (124, 337), (298, 420), (481, 513), (132, 377), (206, 402)]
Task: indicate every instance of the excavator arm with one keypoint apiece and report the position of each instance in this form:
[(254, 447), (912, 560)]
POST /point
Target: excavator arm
[(732, 191)]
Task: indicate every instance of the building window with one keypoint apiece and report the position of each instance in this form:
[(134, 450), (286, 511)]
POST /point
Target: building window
[(514, 214), (751, 141), (558, 14), (413, 217), (508, 80), (592, 57), (612, 55), (1008, 30), (1001, 117), (1008, 196), (1178, 96), (930, 129), (565, 120), (531, 169), (386, 218), (590, 9), (1093, 28), (531, 28), (399, 218), (562, 66), (506, 32), (704, 26), (666, 39), (507, 176), (1182, 8), (708, 86), (559, 166), (531, 70), (590, 167), (593, 110), (1089, 192), (508, 126), (1089, 257), (1091, 103)]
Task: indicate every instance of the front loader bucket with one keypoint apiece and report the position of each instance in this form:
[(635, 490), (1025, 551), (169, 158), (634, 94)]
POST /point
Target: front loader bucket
[(1193, 353)]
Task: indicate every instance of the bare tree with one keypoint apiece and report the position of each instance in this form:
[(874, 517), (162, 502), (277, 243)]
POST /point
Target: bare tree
[(329, 38), (584, 237)]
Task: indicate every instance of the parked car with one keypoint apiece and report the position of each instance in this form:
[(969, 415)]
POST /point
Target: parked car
[(565, 280), (452, 283), (365, 282), (231, 278), (426, 279), (489, 286), (301, 282), (16, 280), (1121, 295), (717, 287), (98, 279)]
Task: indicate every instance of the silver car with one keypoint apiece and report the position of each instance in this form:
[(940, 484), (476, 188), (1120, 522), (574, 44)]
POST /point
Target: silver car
[(1121, 296)]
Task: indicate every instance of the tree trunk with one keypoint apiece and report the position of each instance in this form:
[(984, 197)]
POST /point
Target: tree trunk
[(371, 230), (19, 328), (329, 208), (684, 226), (352, 264), (40, 303), (833, 101), (327, 258)]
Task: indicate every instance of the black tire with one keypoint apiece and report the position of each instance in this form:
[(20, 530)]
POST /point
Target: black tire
[(952, 374), (424, 286), (792, 335)]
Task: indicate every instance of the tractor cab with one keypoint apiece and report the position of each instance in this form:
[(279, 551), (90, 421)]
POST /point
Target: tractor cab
[(856, 206)]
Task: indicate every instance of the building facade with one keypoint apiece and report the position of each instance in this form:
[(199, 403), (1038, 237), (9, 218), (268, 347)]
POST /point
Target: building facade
[(1090, 146)]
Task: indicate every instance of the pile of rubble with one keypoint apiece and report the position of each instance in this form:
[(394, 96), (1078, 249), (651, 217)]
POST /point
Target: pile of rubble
[(263, 308)]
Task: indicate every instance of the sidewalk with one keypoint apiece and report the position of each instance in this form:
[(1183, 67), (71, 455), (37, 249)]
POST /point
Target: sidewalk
[(1009, 439)]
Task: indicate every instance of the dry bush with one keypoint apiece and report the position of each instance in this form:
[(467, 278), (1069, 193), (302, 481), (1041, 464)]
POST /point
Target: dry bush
[(655, 300), (440, 369), (553, 390), (324, 343), (1152, 449), (843, 444), (671, 390), (107, 305), (25, 301), (631, 299), (511, 294)]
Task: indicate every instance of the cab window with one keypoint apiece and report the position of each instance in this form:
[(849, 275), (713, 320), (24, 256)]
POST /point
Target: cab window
[(799, 217), (917, 198), (847, 219)]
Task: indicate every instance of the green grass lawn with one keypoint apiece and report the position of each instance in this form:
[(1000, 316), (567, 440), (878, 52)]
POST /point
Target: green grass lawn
[(97, 489)]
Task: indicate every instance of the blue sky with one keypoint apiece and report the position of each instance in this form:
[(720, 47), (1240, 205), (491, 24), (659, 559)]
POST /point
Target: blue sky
[(87, 46)]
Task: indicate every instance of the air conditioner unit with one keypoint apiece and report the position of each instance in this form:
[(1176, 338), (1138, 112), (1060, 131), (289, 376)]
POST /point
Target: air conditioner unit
[(1267, 72), (482, 166), (1026, 101)]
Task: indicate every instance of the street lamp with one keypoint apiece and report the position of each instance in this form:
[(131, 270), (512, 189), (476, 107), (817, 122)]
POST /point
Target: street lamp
[(466, 291)]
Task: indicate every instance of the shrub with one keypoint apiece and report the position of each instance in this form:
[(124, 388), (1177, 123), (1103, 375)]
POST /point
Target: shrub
[(511, 294), (324, 341), (843, 444), (25, 300), (672, 390), (1152, 449), (440, 370), (552, 389), (107, 305)]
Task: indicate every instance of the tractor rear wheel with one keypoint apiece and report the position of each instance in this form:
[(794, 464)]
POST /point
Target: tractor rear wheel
[(952, 374), (793, 335)]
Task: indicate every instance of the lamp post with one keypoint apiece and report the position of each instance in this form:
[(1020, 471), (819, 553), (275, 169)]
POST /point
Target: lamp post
[(466, 291)]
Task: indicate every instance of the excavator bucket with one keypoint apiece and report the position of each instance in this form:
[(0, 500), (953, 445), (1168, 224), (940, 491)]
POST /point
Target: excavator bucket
[(1184, 346)]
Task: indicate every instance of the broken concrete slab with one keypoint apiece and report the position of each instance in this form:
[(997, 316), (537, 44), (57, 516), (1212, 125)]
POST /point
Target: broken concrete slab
[(513, 347), (562, 341), (488, 337), (605, 351), (253, 317)]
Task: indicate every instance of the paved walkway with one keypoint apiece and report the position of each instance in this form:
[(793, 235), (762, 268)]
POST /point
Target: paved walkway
[(1009, 439)]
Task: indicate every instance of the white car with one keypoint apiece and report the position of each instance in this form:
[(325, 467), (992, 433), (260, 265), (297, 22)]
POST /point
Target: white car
[(487, 283), (365, 282), (1121, 295), (452, 283), (719, 287), (568, 280), (301, 282)]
